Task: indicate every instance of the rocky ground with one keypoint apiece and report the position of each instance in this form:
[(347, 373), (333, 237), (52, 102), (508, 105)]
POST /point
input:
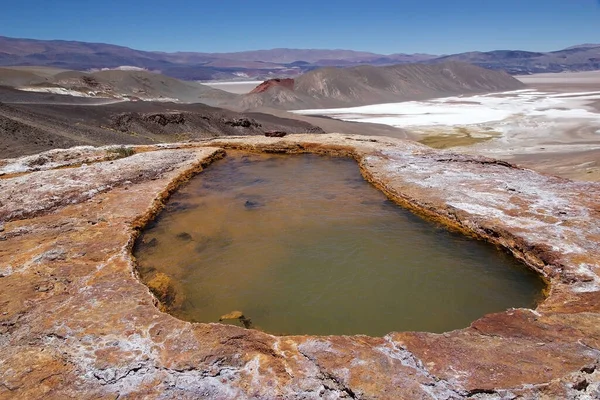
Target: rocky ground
[(34, 122), (76, 322)]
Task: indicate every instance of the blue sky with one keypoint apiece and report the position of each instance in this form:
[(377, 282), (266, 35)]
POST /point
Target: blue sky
[(409, 26)]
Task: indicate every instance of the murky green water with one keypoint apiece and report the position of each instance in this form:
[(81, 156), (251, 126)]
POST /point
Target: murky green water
[(303, 245)]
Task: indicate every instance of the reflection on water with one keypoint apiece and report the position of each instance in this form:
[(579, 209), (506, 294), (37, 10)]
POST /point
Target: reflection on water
[(303, 245)]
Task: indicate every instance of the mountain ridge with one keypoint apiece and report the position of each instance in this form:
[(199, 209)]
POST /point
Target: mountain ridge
[(278, 62), (517, 62)]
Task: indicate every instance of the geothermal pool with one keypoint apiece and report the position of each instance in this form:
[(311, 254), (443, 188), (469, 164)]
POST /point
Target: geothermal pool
[(304, 245)]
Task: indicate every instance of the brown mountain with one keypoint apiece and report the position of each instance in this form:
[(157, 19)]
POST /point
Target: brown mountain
[(347, 87)]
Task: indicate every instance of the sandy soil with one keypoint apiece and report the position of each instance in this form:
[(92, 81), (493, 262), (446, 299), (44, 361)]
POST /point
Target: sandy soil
[(582, 164), (553, 126), (564, 81), (234, 87), (332, 125), (40, 71)]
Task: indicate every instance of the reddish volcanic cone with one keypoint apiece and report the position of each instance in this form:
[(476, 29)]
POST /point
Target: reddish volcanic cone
[(266, 85)]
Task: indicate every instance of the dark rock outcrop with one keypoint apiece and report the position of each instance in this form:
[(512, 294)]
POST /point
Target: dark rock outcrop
[(275, 133), (242, 122)]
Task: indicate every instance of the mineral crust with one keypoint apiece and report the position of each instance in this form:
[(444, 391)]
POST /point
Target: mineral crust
[(76, 322)]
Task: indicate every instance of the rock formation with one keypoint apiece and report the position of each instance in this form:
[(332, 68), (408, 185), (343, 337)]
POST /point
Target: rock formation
[(162, 287), (266, 85), (75, 321)]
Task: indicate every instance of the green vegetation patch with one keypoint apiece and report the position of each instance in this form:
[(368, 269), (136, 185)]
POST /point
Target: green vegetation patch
[(461, 137), (120, 152)]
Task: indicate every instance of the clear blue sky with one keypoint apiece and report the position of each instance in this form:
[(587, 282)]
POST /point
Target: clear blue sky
[(387, 26)]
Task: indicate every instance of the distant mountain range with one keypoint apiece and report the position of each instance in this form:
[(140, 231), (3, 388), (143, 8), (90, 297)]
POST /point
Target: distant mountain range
[(262, 64), (576, 58), (265, 64)]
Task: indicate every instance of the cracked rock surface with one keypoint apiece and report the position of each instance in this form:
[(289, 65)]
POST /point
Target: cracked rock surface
[(75, 322)]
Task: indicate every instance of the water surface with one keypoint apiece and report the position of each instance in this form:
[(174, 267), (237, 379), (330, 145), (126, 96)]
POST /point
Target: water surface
[(303, 245)]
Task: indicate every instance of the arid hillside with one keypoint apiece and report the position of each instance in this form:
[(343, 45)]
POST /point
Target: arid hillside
[(112, 84), (53, 121), (344, 87)]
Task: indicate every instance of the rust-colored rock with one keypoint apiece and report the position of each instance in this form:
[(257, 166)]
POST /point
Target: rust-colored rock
[(162, 287), (75, 322), (286, 83), (232, 315)]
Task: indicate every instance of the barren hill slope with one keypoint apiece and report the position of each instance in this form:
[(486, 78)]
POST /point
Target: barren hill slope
[(39, 121), (344, 87), (112, 84)]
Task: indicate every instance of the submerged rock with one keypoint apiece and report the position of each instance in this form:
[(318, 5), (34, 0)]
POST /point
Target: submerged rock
[(203, 243), (184, 236), (232, 315), (150, 243), (179, 206), (162, 287), (237, 315), (252, 204)]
